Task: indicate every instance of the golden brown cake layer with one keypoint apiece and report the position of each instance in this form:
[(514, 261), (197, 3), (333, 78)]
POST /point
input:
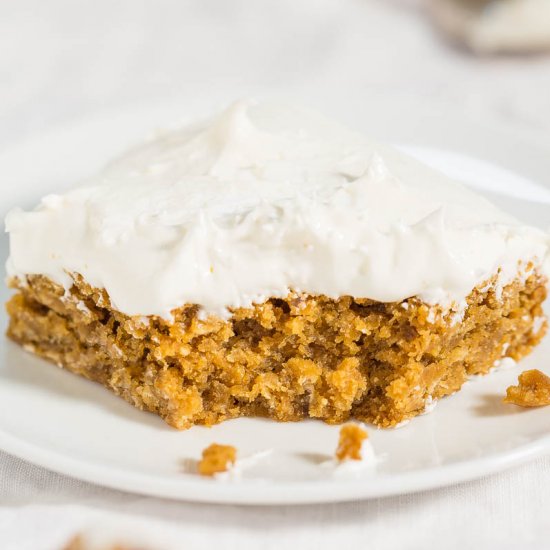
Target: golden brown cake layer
[(287, 359)]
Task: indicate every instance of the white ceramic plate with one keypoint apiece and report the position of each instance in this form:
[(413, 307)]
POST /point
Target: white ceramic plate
[(75, 427)]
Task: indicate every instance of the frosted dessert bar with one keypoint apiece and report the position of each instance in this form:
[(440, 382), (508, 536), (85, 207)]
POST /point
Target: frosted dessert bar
[(269, 262)]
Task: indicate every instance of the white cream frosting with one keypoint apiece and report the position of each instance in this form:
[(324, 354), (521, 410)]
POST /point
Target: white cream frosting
[(263, 199)]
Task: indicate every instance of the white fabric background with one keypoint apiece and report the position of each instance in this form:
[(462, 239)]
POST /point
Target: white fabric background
[(62, 59)]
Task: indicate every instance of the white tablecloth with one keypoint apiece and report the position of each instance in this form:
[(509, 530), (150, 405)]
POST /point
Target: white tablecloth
[(40, 510), (62, 59)]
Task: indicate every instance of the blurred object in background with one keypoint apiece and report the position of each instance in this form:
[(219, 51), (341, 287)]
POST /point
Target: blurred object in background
[(495, 26)]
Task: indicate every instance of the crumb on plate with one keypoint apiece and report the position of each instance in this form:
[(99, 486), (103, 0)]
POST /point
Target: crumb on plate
[(350, 442), (533, 390), (217, 458)]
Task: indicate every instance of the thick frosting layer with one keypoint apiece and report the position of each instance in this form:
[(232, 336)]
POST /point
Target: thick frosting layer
[(263, 199)]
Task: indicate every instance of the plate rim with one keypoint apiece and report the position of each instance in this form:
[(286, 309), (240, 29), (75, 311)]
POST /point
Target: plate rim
[(252, 493)]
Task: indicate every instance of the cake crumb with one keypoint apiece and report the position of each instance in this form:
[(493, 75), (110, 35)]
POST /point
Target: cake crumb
[(217, 458), (533, 390), (77, 543), (350, 442)]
